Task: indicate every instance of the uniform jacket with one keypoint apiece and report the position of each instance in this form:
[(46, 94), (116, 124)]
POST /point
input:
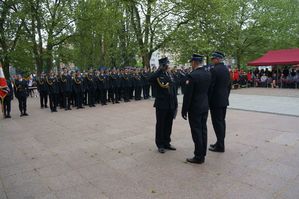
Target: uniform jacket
[(220, 86), (42, 85), (78, 85), (166, 96), (53, 85), (66, 83), (21, 88), (196, 99)]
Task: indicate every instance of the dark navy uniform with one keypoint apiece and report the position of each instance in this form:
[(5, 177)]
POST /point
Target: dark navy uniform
[(126, 86), (66, 89), (218, 100), (146, 85), (102, 86), (196, 104), (137, 86), (53, 85), (166, 106), (91, 86), (78, 87), (43, 90), (21, 93)]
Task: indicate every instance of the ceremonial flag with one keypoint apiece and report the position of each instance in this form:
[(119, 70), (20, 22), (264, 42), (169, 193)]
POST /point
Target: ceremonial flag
[(3, 84)]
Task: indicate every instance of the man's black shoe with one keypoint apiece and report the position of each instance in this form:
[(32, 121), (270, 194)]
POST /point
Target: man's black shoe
[(213, 145), (7, 116), (161, 150), (170, 147), (46, 106), (217, 149), (196, 160), (25, 114)]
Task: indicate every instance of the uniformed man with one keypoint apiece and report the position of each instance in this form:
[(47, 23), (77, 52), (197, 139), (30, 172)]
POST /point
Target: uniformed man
[(78, 89), (43, 90), (146, 84), (196, 106), (166, 104), (21, 93), (7, 99), (91, 85), (218, 99), (66, 89), (53, 85), (126, 85), (102, 85), (137, 85)]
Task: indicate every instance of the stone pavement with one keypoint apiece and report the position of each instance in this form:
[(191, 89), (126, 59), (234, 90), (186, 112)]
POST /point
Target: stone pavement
[(109, 152)]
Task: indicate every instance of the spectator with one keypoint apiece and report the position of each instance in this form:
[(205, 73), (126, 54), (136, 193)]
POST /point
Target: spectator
[(264, 80), (249, 78)]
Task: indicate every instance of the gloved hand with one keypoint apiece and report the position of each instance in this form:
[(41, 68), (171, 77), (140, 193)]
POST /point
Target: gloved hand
[(184, 115)]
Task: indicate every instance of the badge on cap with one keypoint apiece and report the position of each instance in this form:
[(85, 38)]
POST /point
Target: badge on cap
[(187, 82)]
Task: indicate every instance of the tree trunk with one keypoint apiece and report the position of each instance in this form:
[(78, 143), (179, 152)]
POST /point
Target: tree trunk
[(5, 66), (146, 59), (49, 58)]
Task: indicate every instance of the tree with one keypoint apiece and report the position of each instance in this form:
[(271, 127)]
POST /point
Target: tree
[(49, 25), (154, 24), (11, 25)]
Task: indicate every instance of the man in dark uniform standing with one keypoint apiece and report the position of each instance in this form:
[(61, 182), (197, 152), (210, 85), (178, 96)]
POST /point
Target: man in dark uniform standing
[(126, 85), (78, 89), (196, 106), (146, 84), (166, 104), (66, 89), (91, 85), (43, 90), (53, 86), (218, 99), (21, 93)]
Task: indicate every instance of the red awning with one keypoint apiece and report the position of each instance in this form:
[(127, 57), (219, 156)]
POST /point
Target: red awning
[(277, 57)]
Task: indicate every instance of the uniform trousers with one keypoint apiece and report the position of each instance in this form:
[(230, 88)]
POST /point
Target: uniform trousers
[(164, 119), (218, 121), (198, 125)]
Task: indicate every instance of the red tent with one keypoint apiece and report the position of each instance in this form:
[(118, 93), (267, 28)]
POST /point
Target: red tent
[(277, 57)]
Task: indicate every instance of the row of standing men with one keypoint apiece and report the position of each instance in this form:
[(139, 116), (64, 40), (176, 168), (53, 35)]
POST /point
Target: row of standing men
[(88, 88)]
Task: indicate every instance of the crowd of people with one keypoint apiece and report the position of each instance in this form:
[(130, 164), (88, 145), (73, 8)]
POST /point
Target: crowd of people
[(68, 88), (286, 78)]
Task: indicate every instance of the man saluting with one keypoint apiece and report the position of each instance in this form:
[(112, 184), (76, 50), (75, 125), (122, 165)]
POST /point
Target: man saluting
[(166, 104), (196, 106)]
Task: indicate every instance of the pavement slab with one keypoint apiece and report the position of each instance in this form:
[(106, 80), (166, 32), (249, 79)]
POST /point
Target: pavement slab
[(109, 152)]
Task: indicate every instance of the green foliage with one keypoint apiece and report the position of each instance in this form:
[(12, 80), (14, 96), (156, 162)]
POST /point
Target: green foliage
[(42, 34)]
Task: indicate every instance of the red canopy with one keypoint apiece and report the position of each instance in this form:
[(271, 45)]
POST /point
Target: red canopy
[(277, 57)]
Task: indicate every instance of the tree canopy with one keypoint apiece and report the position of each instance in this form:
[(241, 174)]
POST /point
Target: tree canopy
[(39, 35)]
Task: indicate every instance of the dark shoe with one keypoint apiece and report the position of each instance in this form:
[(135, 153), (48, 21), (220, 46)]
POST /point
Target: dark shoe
[(41, 107), (8, 116), (69, 109), (213, 145), (46, 106), (25, 114), (217, 149), (196, 160), (170, 147), (161, 150)]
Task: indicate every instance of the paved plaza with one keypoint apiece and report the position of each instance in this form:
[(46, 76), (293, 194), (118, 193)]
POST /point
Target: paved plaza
[(109, 152)]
